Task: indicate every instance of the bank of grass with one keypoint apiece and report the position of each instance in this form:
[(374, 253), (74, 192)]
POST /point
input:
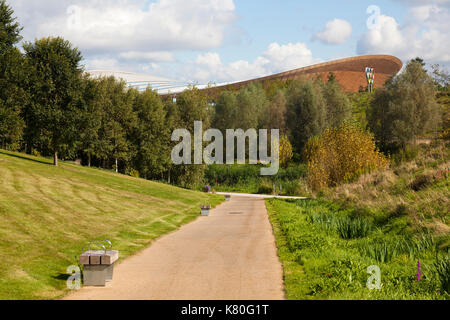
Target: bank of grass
[(48, 214), (322, 262), (416, 187)]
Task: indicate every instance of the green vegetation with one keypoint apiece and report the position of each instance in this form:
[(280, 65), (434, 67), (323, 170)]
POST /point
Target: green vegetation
[(48, 214), (326, 250), (247, 179)]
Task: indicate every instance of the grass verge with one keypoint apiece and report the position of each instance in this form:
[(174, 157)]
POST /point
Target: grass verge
[(322, 262)]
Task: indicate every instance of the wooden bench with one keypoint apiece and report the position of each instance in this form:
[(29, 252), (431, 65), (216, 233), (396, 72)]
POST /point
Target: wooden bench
[(98, 265)]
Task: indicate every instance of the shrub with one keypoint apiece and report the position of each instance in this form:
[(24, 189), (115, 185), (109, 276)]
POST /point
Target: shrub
[(132, 172), (341, 155), (265, 188), (421, 182), (35, 153), (285, 151)]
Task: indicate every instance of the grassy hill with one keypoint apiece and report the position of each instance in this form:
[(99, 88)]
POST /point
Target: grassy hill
[(48, 214), (392, 218)]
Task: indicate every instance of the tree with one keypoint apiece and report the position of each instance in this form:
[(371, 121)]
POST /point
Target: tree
[(117, 123), (226, 111), (55, 88), (192, 106), (12, 78), (408, 108), (91, 117), (338, 104), (275, 115), (306, 112), (151, 135), (9, 28)]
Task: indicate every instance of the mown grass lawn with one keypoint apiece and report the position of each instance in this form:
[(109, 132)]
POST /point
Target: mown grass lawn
[(48, 214), (326, 250)]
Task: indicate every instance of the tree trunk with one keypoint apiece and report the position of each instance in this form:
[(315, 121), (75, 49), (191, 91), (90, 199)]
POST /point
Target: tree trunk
[(89, 160), (168, 177), (55, 158), (117, 168)]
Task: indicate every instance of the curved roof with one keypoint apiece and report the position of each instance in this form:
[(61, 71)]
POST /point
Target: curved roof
[(349, 72)]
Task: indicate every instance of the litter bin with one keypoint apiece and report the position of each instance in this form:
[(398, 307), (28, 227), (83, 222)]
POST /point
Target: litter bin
[(98, 265), (204, 209)]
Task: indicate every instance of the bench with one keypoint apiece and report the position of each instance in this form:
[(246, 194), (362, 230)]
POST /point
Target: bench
[(98, 265)]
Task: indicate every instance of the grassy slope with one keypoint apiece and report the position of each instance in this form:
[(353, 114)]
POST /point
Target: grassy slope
[(396, 212), (47, 215)]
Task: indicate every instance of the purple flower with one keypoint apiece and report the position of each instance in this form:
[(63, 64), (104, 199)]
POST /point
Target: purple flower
[(419, 273)]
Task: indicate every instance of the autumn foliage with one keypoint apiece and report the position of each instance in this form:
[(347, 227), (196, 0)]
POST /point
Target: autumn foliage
[(341, 155)]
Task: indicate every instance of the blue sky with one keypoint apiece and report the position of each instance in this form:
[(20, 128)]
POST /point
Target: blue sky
[(229, 40)]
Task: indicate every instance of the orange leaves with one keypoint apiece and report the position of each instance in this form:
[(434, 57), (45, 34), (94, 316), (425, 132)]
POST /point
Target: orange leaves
[(341, 155)]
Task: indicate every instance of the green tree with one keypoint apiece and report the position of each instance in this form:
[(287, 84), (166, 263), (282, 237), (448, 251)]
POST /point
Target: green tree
[(12, 80), (275, 115), (407, 108), (117, 123), (251, 105), (306, 112), (338, 104), (192, 106), (226, 111), (151, 135), (55, 88), (91, 117)]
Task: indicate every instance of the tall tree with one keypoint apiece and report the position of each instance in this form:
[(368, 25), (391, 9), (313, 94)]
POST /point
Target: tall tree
[(275, 115), (12, 78), (226, 111), (192, 106), (410, 110), (55, 87), (338, 104), (91, 117), (306, 112), (117, 123), (151, 135), (251, 105)]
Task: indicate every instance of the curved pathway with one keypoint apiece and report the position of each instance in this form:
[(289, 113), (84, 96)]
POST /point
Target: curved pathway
[(230, 254)]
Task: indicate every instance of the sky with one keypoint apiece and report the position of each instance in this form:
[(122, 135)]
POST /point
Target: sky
[(216, 41)]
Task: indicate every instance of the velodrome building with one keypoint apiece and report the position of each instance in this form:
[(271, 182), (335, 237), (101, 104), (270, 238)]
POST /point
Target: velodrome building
[(349, 72)]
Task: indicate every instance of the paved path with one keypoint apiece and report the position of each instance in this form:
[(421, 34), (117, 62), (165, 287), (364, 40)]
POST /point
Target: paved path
[(261, 196), (229, 255)]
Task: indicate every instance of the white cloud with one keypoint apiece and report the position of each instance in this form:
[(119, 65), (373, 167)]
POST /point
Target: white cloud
[(424, 34), (158, 56), (102, 64), (128, 25), (277, 58), (336, 31)]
